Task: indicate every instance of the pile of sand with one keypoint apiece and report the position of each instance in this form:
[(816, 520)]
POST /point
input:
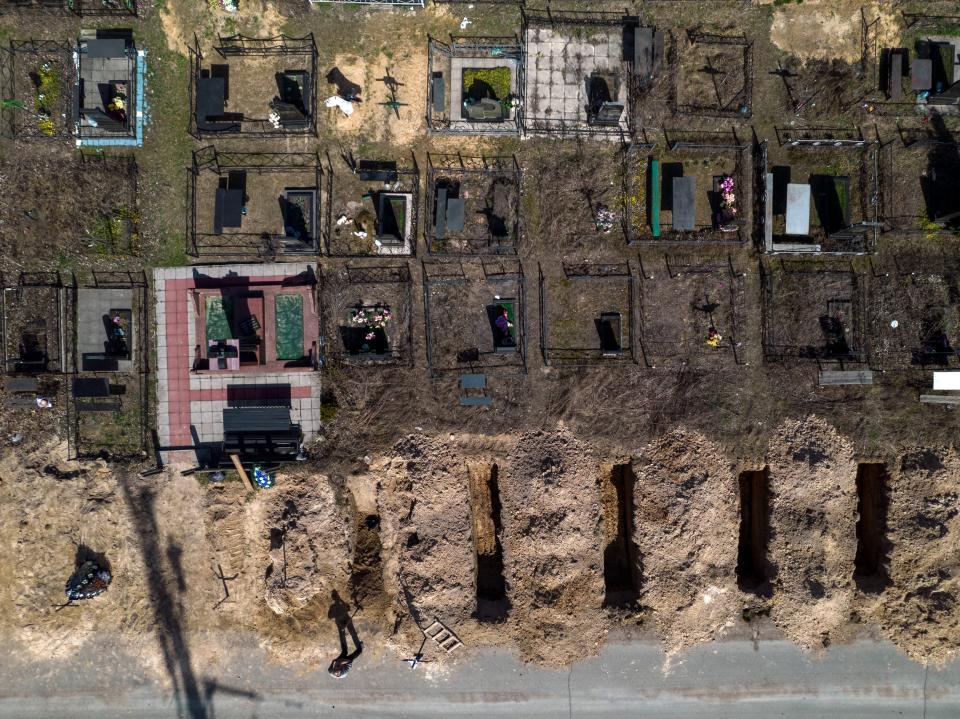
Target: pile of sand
[(429, 562), (686, 529), (310, 536), (813, 544), (552, 547), (828, 29), (919, 610)]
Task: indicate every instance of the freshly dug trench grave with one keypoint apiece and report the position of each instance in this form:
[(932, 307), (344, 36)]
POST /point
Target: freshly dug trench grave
[(687, 520), (873, 500), (621, 560), (752, 570), (429, 559), (553, 547), (813, 545), (920, 610), (492, 602)]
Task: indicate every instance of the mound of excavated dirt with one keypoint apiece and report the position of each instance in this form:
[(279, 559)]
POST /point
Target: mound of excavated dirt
[(552, 549), (310, 535), (920, 610), (831, 28), (813, 544), (686, 522), (429, 562)]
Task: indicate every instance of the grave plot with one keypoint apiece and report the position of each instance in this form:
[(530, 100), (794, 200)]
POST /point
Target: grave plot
[(472, 204), (696, 189), (254, 87), (372, 206), (38, 80), (914, 312), (475, 316), (918, 610), (692, 312), (655, 76), (96, 222), (919, 180), (108, 412), (553, 547), (714, 75), (820, 192), (581, 196), (39, 6), (813, 311), (103, 8), (817, 89), (368, 310), (578, 73), (686, 519), (254, 205), (586, 314), (475, 86), (753, 568), (108, 98), (35, 322), (813, 542)]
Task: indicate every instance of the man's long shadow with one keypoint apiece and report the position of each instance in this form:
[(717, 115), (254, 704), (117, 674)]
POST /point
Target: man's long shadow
[(170, 633), (339, 612)]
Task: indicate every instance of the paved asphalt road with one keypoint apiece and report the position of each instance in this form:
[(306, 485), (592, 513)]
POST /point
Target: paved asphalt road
[(725, 679)]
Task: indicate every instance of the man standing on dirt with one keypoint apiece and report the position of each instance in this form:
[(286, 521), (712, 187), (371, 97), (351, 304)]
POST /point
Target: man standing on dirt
[(339, 612)]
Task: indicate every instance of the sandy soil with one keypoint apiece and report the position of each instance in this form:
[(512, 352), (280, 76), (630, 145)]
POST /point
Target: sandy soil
[(813, 507), (425, 514), (920, 610), (832, 30), (430, 501), (687, 519), (370, 119), (552, 546), (256, 18)]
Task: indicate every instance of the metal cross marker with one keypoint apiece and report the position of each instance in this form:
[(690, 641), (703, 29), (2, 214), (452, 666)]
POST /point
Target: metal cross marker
[(392, 85), (226, 592)]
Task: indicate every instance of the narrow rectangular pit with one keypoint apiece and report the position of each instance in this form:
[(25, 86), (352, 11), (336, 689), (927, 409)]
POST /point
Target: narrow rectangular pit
[(492, 602), (620, 568), (366, 580), (870, 572), (754, 529)]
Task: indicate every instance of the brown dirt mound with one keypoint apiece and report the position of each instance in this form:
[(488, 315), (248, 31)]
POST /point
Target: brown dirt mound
[(310, 535), (813, 505), (429, 562), (553, 546), (920, 611), (686, 530)]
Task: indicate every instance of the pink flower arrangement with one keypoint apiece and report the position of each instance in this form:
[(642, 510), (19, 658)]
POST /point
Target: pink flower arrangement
[(373, 318), (728, 198)]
